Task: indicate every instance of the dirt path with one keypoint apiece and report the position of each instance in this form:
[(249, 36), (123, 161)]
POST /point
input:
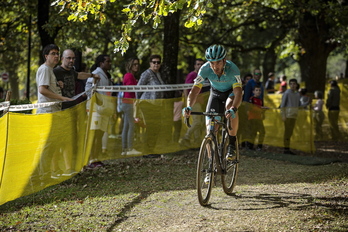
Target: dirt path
[(289, 207), (270, 196)]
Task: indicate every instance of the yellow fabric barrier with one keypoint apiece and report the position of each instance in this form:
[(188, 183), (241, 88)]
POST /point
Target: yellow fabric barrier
[(3, 142), (302, 138), (36, 147)]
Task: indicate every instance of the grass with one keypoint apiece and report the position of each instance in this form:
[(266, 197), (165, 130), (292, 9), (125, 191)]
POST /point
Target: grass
[(138, 194)]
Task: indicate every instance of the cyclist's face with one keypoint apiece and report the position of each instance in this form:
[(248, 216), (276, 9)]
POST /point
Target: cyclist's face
[(218, 66)]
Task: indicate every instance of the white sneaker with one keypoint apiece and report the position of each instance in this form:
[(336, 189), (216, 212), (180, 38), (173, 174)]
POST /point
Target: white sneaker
[(207, 179), (133, 152), (124, 153), (112, 136)]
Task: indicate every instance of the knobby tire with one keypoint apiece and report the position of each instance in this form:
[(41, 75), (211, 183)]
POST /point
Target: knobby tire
[(229, 177), (205, 165)]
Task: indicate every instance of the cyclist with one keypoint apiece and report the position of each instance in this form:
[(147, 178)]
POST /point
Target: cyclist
[(225, 93)]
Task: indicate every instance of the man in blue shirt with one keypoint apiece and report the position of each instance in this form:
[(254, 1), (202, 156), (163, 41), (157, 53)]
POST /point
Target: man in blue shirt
[(225, 92), (248, 91)]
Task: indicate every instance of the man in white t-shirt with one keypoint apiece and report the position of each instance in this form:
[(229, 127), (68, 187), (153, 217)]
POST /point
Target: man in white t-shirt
[(48, 89)]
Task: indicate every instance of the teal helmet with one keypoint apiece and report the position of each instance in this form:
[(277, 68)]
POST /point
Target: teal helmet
[(215, 53)]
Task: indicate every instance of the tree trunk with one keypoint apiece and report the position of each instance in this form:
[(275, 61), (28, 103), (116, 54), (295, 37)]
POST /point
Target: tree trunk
[(13, 81), (43, 18), (270, 58), (170, 48), (316, 47), (269, 62), (169, 66)]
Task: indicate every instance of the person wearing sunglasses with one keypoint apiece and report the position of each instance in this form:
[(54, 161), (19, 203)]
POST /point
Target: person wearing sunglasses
[(148, 103)]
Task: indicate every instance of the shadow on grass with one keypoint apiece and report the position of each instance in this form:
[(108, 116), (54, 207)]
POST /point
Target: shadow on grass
[(253, 200)]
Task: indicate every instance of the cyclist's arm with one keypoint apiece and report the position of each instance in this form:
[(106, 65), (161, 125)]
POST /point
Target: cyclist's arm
[(192, 97), (237, 91)]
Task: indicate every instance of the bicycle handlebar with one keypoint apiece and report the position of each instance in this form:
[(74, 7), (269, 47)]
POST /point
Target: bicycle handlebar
[(187, 119)]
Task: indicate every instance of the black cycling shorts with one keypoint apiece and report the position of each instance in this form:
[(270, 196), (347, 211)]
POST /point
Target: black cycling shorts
[(217, 100)]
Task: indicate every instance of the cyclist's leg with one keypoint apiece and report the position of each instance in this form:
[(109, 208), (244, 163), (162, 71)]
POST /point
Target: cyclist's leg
[(215, 104), (234, 122), (231, 151)]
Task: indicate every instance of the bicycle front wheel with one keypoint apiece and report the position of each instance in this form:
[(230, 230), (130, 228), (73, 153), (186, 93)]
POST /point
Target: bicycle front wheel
[(205, 170), (229, 176)]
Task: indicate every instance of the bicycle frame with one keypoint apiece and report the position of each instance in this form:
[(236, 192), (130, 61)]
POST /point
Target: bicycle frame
[(212, 133)]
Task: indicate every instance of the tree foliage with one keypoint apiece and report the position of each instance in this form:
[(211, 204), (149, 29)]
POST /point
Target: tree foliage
[(145, 10), (268, 34)]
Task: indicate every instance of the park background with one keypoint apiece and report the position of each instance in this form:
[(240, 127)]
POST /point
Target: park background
[(305, 40)]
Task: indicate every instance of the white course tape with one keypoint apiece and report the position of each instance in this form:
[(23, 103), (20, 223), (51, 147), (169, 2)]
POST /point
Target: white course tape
[(114, 88), (4, 105), (40, 105), (32, 106), (143, 88)]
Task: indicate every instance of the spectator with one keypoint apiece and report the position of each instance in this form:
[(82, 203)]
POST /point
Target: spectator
[(248, 91), (195, 131), (289, 110), (100, 120), (333, 106), (282, 89), (318, 115), (270, 83), (243, 117), (149, 103), (118, 115), (48, 89), (67, 77), (278, 80), (256, 117), (305, 100), (80, 84), (127, 107), (246, 79), (283, 84)]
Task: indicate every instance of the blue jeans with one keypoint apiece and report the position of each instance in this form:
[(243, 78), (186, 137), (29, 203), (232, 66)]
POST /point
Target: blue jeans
[(128, 126)]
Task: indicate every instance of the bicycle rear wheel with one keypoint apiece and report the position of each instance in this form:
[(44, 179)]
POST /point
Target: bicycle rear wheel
[(205, 169), (229, 176)]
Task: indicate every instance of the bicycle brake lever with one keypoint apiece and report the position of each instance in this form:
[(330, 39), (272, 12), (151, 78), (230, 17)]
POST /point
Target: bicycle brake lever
[(187, 122)]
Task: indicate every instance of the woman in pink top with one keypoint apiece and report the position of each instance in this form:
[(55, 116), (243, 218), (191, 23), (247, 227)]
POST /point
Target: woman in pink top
[(132, 67)]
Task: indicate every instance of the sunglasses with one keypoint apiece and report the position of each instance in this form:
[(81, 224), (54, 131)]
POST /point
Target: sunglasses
[(156, 62), (54, 54), (257, 73)]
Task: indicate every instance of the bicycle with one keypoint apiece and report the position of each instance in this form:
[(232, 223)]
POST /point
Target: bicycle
[(212, 159)]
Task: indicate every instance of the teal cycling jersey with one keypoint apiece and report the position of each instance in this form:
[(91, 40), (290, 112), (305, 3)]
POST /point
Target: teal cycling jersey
[(230, 79)]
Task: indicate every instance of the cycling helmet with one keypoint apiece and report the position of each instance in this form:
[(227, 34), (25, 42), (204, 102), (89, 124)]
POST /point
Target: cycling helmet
[(215, 53)]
